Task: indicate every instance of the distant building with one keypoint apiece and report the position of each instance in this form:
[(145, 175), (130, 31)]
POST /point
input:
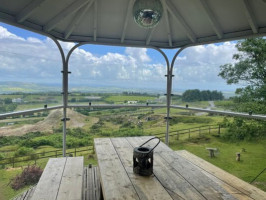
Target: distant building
[(18, 100), (132, 102)]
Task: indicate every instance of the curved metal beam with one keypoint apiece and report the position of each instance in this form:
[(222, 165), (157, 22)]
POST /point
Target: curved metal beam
[(169, 92), (64, 89)]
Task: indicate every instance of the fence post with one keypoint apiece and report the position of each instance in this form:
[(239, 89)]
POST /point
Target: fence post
[(199, 132), (56, 153), (75, 151), (209, 130), (177, 136), (13, 161), (219, 130), (188, 133)]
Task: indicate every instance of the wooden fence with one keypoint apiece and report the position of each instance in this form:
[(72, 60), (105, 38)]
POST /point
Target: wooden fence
[(198, 131), (42, 155)]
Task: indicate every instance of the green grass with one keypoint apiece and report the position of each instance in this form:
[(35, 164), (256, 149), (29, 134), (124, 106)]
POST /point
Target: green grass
[(121, 98), (6, 192)]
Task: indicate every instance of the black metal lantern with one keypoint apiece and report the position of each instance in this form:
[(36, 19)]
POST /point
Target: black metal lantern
[(143, 159)]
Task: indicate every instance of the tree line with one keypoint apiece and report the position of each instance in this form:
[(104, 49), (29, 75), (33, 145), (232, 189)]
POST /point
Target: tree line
[(204, 95)]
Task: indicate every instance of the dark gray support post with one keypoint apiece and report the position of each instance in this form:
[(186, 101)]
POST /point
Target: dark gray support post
[(65, 98)]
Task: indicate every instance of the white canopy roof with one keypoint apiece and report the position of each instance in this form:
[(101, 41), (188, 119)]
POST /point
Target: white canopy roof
[(110, 22)]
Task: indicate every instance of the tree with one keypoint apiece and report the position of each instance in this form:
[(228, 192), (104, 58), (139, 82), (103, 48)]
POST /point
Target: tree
[(249, 69), (205, 95), (191, 95), (7, 101)]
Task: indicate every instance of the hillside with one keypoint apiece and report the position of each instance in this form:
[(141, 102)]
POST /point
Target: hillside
[(52, 121)]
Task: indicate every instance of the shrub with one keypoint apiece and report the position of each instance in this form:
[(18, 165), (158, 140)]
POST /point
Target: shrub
[(23, 151), (30, 175), (189, 119), (247, 130)]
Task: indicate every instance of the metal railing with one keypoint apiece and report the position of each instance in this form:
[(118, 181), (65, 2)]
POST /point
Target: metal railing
[(217, 112)]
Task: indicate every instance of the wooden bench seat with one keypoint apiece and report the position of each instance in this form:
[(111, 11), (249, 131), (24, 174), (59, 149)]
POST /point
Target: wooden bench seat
[(91, 187), (91, 184), (61, 180)]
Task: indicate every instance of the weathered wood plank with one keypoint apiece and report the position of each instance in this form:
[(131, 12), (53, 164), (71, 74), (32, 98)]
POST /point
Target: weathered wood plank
[(92, 184), (146, 187), (48, 185), (97, 184), (71, 183), (175, 184), (113, 175), (224, 176), (30, 193), (202, 183), (84, 187), (89, 184)]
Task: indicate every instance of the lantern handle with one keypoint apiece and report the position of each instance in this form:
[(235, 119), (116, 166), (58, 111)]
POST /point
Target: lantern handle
[(150, 140)]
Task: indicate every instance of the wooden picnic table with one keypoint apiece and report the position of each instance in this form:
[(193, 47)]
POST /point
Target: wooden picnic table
[(175, 176)]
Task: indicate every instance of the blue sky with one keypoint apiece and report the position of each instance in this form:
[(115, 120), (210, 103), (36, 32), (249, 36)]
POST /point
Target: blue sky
[(30, 57)]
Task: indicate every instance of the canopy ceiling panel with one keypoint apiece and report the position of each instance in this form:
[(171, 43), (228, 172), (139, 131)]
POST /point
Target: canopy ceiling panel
[(230, 18), (110, 22), (190, 11)]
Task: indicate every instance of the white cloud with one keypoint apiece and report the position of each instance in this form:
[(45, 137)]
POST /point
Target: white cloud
[(139, 54), (201, 66), (5, 34), (39, 60)]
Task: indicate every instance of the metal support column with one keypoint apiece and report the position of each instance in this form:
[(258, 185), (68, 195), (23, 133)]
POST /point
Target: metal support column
[(64, 91), (168, 95), (65, 99), (169, 92)]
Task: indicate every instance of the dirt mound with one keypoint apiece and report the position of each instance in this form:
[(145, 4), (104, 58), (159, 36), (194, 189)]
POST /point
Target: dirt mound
[(52, 121)]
